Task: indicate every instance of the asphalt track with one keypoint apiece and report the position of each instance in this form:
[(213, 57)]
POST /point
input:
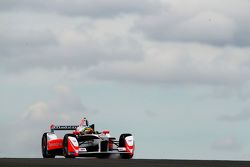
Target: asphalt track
[(83, 162)]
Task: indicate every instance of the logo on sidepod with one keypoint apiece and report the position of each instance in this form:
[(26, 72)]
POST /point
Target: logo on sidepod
[(56, 145)]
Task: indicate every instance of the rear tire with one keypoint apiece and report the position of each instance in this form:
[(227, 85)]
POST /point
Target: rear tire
[(122, 144), (65, 146), (45, 152)]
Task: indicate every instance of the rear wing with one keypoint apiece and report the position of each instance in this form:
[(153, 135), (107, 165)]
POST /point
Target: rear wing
[(63, 127)]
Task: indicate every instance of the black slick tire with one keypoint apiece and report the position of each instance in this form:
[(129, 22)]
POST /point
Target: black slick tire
[(45, 152), (65, 146)]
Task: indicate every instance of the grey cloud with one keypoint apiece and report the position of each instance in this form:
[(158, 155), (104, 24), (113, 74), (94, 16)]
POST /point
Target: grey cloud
[(52, 42), (150, 113), (19, 43), (109, 50), (74, 57), (224, 92), (87, 8), (197, 29), (243, 115), (26, 50), (181, 64), (216, 27)]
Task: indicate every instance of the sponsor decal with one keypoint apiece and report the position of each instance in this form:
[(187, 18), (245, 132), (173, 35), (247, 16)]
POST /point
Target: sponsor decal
[(121, 149), (82, 149), (64, 127), (55, 144)]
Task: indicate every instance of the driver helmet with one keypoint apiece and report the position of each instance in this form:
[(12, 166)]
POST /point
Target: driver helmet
[(87, 130)]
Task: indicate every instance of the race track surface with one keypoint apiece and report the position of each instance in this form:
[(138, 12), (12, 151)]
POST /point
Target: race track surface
[(9, 162)]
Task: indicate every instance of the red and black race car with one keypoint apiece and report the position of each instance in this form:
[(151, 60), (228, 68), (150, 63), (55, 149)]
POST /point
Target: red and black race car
[(84, 141)]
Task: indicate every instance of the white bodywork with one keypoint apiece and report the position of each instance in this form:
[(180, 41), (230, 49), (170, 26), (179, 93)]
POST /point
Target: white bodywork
[(130, 144), (51, 136), (130, 140), (73, 141)]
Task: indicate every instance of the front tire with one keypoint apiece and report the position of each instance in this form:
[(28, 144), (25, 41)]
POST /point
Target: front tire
[(65, 146), (45, 152), (122, 144)]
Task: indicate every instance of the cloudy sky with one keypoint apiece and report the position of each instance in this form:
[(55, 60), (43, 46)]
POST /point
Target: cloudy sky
[(174, 73)]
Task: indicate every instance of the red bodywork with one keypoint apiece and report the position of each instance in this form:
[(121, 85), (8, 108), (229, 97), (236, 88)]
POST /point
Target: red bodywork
[(58, 144), (55, 144)]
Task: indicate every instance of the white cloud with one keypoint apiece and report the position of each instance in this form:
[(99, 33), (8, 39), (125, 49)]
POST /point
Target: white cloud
[(64, 108), (37, 112), (227, 144)]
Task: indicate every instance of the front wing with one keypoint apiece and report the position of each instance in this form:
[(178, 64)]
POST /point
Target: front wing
[(97, 154)]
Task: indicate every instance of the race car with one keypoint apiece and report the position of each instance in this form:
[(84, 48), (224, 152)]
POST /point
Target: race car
[(84, 141)]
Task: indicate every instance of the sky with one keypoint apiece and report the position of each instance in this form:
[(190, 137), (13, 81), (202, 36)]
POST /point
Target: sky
[(173, 73)]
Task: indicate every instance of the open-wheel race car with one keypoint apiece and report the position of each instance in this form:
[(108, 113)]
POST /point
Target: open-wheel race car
[(84, 141)]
